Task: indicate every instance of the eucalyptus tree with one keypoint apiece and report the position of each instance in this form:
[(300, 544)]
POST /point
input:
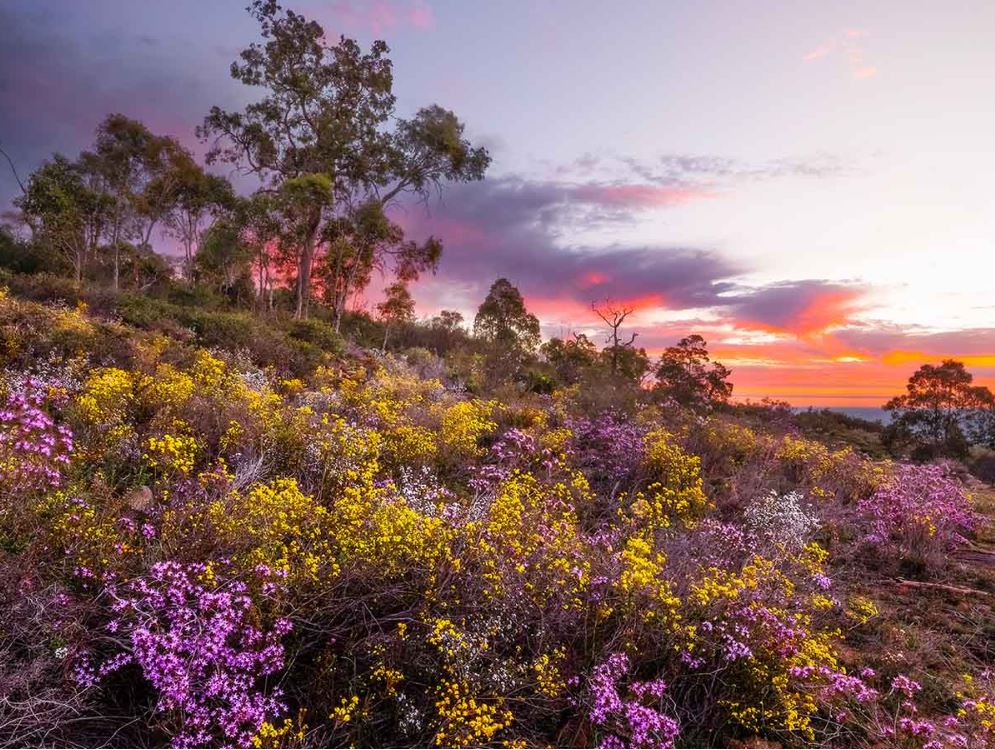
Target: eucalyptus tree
[(398, 306), (198, 197), (686, 374), (66, 211), (503, 320), (138, 171), (326, 130)]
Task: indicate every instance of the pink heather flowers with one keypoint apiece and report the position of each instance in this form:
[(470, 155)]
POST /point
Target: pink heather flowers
[(33, 448), (197, 647), (640, 725), (604, 447), (921, 513)]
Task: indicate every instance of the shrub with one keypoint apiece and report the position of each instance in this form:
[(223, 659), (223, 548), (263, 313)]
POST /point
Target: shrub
[(192, 636), (919, 515), (782, 519)]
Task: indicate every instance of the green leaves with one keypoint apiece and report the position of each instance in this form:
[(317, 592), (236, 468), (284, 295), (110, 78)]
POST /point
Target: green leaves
[(321, 139), (502, 319)]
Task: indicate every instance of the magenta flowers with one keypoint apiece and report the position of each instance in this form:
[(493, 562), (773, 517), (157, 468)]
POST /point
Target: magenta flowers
[(33, 448), (197, 646), (920, 514)]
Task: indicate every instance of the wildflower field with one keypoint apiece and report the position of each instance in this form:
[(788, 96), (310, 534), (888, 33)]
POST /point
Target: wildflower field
[(199, 550)]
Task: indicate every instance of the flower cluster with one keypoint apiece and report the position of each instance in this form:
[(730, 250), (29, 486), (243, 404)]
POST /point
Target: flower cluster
[(920, 514), (192, 635), (34, 450), (603, 447), (362, 556), (629, 721), (782, 519)]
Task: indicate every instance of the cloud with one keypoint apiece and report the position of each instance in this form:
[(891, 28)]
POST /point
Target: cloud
[(377, 17), (849, 45), (803, 308), (636, 196), (55, 88), (519, 229), (879, 337), (710, 171), (808, 341)]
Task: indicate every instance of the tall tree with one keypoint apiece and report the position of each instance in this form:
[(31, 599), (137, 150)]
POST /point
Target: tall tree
[(931, 415), (198, 196), (686, 374), (571, 358), (397, 307), (65, 211), (224, 256), (138, 171), (503, 320), (326, 114)]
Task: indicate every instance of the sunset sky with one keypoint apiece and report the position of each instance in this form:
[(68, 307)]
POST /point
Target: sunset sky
[(808, 185)]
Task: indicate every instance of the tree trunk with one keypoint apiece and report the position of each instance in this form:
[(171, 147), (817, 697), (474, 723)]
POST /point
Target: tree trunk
[(304, 266), (346, 286)]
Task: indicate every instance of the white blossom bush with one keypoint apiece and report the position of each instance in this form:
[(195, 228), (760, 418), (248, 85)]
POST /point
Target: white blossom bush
[(782, 519)]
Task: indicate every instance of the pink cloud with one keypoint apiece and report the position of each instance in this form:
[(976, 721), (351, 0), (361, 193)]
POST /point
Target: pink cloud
[(849, 46), (380, 16)]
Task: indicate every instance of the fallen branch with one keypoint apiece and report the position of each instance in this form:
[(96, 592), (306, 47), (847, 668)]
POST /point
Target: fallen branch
[(941, 586), (976, 555)]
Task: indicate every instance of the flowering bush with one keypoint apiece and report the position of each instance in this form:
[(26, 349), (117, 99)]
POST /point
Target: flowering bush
[(781, 519), (919, 514), (34, 450), (210, 553), (639, 725), (193, 638), (603, 448)]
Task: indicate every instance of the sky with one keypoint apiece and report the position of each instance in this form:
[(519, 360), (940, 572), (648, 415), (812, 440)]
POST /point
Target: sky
[(805, 184)]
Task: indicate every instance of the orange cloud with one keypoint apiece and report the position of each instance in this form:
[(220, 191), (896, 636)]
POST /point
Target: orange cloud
[(910, 357), (592, 278), (800, 310)]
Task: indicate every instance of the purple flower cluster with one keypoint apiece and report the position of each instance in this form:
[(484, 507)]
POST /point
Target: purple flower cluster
[(606, 447), (923, 511), (33, 448), (197, 646), (515, 449), (642, 725)]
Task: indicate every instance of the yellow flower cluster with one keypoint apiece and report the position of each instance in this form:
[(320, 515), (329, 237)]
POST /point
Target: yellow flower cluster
[(464, 721), (278, 526), (677, 493), (462, 425), (106, 396), (861, 610), (291, 733), (172, 454), (977, 712), (532, 529), (643, 584), (85, 528), (826, 472), (346, 710), (548, 675)]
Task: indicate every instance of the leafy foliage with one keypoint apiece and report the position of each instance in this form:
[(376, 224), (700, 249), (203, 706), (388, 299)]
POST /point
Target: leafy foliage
[(685, 374), (223, 553)]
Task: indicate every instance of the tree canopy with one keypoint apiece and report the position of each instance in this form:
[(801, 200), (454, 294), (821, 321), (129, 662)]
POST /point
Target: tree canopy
[(503, 320), (940, 410), (686, 374), (322, 137)]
